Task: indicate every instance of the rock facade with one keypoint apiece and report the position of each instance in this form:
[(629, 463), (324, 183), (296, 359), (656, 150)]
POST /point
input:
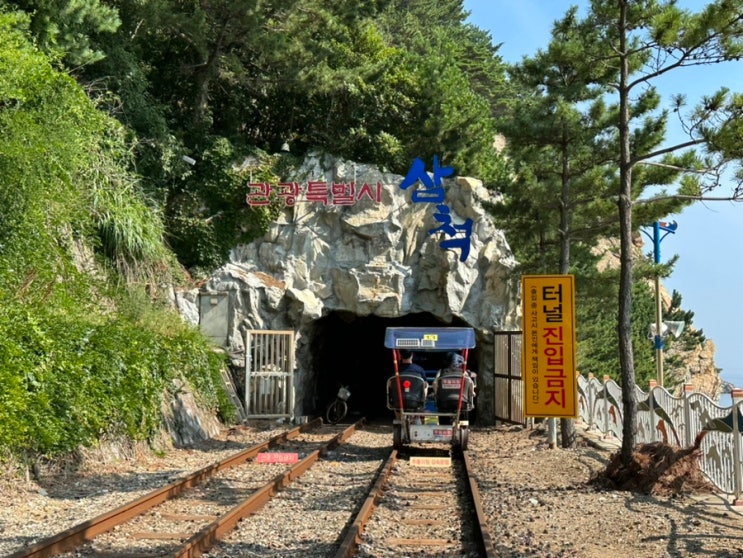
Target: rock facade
[(371, 258)]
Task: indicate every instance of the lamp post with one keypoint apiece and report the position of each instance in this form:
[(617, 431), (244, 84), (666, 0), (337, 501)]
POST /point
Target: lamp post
[(667, 228)]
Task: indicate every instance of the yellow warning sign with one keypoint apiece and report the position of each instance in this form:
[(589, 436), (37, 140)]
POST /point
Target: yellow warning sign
[(548, 347)]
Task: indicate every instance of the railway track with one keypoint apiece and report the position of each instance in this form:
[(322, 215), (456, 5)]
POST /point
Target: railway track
[(314, 508), (425, 503), (190, 515)]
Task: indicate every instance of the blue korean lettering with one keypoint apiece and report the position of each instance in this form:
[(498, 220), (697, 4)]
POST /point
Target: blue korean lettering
[(433, 192), (453, 230)]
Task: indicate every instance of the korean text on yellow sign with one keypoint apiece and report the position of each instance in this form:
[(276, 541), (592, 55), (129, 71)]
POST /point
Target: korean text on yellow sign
[(548, 346)]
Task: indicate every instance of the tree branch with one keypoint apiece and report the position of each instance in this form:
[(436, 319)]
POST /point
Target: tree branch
[(675, 167), (670, 149), (688, 54)]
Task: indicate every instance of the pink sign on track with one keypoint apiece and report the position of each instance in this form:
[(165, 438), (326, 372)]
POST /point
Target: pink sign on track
[(276, 457)]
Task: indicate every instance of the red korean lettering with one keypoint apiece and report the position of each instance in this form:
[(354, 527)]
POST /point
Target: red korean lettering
[(366, 191), (343, 193), (552, 335), (554, 356), (554, 373), (258, 194), (317, 191), (555, 397), (289, 191)]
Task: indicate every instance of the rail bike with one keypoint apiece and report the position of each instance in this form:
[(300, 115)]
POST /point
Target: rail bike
[(435, 409)]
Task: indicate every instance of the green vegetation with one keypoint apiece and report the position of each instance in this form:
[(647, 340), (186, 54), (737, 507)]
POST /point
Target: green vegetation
[(560, 198), (68, 379), (104, 106), (81, 354), (377, 82)]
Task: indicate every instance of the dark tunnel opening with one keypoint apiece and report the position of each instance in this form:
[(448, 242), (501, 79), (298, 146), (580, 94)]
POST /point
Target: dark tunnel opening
[(349, 350)]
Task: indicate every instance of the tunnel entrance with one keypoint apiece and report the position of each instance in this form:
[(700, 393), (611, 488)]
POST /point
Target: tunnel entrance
[(346, 349)]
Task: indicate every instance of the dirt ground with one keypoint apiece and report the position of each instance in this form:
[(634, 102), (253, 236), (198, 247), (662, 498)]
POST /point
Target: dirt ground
[(580, 502)]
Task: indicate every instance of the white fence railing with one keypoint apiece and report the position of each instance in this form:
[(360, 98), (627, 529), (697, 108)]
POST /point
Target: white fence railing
[(661, 417)]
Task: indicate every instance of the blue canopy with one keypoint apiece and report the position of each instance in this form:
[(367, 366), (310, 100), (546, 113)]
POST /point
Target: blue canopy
[(429, 338)]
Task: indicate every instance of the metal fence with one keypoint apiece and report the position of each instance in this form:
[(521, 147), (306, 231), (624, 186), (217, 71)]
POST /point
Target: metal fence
[(508, 386), (269, 374), (661, 417)]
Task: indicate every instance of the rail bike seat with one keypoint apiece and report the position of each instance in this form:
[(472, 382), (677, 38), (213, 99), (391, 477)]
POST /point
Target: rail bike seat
[(413, 389), (448, 387)]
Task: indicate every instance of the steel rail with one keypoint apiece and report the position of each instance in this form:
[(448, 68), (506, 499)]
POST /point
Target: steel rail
[(485, 540), (351, 540), (210, 535), (78, 535)]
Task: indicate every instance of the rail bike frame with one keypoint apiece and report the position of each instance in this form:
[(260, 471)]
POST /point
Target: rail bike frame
[(405, 427)]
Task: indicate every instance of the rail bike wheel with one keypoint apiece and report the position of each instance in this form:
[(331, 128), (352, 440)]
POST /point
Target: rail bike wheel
[(463, 437), (336, 411)]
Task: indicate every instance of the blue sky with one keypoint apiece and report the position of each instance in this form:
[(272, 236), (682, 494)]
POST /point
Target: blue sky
[(710, 265)]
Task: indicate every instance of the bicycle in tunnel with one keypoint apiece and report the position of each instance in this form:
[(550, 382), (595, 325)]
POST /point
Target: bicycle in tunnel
[(337, 409)]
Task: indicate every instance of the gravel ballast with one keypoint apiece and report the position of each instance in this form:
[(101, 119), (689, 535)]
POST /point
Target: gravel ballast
[(538, 501)]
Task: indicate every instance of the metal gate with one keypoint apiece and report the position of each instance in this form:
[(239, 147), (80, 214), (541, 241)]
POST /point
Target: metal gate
[(509, 387), (269, 374)]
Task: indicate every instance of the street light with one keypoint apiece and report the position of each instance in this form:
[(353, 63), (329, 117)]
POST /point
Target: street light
[(668, 228)]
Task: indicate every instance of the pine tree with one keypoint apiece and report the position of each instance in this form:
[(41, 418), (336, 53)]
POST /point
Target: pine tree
[(641, 41)]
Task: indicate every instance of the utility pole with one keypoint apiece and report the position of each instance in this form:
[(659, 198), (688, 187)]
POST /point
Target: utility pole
[(667, 228)]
